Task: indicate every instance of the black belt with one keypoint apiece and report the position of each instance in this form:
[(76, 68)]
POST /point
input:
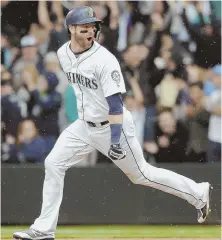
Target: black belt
[(92, 124)]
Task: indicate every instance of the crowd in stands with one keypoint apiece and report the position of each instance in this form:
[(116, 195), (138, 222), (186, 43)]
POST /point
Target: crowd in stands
[(170, 55)]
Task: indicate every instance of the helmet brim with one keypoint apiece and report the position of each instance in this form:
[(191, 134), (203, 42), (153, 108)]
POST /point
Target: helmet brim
[(88, 20)]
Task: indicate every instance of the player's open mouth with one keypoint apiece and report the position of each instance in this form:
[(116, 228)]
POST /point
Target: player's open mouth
[(89, 38)]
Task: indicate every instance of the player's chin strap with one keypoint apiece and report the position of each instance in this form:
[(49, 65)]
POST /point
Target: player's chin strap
[(98, 31)]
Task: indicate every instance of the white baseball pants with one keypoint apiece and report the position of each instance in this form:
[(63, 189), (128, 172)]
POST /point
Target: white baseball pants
[(78, 140)]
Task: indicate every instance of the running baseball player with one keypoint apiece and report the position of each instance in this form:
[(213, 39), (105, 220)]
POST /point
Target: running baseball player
[(104, 124)]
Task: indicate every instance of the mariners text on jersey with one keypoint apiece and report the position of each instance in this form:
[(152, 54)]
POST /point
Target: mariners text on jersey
[(80, 79)]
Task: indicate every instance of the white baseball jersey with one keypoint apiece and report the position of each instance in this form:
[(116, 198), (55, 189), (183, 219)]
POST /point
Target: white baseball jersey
[(94, 75)]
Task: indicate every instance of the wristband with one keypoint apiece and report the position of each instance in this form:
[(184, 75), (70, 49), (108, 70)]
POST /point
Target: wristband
[(115, 133)]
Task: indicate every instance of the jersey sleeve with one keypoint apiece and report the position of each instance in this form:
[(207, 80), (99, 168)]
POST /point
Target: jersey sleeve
[(111, 77)]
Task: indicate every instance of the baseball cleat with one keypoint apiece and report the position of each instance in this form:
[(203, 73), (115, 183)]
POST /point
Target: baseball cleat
[(204, 211), (32, 234)]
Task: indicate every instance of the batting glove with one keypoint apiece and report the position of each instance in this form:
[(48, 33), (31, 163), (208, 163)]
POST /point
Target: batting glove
[(116, 152)]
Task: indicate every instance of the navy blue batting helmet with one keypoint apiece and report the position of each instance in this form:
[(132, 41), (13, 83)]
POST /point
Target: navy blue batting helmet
[(81, 15)]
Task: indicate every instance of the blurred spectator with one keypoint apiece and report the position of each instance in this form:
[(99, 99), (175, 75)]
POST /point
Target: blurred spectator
[(58, 35), (208, 85), (124, 25), (13, 109), (29, 56), (18, 15), (51, 64), (47, 102), (41, 35), (134, 102), (213, 105), (29, 76), (148, 19), (8, 51), (198, 121), (29, 147), (53, 21), (170, 139), (160, 64), (195, 73), (168, 84), (207, 39), (134, 73), (109, 13)]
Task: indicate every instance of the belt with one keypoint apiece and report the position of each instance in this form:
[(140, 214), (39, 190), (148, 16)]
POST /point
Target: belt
[(92, 124)]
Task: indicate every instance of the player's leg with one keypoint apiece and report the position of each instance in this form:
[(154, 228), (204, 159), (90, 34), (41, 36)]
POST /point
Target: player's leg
[(140, 172), (69, 149)]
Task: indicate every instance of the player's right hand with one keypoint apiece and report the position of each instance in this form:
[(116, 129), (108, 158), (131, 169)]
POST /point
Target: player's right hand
[(116, 152)]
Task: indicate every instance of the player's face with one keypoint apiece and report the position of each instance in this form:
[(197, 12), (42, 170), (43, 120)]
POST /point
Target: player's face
[(84, 35)]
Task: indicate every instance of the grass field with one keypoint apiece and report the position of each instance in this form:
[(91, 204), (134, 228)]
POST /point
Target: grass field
[(135, 232)]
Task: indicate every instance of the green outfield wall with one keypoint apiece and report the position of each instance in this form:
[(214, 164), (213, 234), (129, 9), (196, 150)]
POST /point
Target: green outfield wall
[(103, 195)]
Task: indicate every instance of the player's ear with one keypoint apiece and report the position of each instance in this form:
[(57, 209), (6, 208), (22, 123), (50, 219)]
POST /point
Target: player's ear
[(72, 29)]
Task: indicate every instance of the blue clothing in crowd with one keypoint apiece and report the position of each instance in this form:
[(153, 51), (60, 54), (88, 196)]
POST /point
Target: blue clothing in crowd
[(11, 112), (46, 108), (33, 152)]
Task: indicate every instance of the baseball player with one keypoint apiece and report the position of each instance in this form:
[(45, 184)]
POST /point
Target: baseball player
[(104, 124)]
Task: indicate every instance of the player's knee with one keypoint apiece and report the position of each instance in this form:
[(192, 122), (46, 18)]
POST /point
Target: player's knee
[(136, 179), (142, 175), (49, 163), (54, 167)]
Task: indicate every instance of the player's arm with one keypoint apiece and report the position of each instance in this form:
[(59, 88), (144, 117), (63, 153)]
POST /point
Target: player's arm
[(115, 116), (113, 86), (115, 120)]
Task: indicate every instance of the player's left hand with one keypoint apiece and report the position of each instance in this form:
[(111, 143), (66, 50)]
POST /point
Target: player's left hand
[(116, 152)]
